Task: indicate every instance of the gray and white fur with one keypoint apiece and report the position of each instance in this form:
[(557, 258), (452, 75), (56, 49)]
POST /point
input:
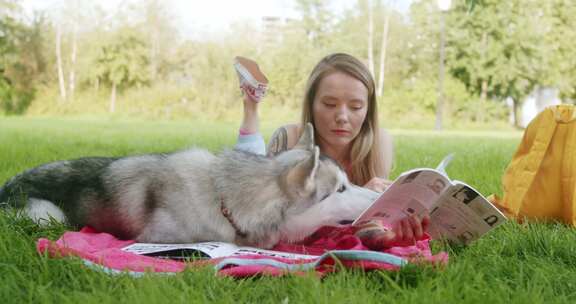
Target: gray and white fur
[(179, 197)]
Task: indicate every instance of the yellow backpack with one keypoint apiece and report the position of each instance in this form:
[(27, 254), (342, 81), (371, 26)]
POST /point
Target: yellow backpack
[(540, 181)]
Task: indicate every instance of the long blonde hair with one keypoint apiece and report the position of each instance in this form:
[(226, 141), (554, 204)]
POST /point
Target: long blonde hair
[(366, 152)]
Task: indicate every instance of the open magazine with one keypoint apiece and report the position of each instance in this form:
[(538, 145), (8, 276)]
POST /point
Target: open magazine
[(458, 212), (206, 250)]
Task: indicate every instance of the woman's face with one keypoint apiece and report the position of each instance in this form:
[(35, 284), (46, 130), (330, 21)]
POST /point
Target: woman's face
[(339, 109)]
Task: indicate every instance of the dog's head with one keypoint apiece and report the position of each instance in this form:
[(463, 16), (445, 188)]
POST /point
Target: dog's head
[(309, 177)]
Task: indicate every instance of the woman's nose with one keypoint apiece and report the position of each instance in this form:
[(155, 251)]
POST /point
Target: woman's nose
[(341, 115)]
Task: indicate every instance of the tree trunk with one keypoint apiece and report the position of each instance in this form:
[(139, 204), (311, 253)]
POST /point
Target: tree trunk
[(515, 108), (383, 54), (154, 45), (61, 80), (440, 102), (483, 95), (72, 79), (484, 85), (113, 98), (154, 13), (370, 38)]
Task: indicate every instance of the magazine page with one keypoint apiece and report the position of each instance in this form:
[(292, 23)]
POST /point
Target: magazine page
[(412, 193), (209, 249), (463, 215)]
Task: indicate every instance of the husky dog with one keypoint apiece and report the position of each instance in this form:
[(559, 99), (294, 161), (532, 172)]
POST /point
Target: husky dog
[(193, 195)]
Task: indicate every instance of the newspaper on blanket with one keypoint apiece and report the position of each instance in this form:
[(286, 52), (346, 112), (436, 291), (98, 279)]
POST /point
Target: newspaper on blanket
[(458, 212), (206, 250)]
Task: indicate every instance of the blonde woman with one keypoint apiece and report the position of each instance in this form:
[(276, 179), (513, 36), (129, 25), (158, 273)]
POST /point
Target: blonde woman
[(340, 102)]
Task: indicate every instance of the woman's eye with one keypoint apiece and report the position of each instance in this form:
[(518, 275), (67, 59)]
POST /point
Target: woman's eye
[(329, 105)]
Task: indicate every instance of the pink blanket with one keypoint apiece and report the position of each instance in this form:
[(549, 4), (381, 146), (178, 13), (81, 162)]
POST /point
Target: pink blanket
[(336, 246)]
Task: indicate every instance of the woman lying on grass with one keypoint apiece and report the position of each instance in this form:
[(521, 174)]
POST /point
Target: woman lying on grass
[(340, 102)]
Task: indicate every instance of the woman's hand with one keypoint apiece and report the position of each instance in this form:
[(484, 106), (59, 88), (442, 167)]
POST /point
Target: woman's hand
[(408, 230), (378, 184), (403, 233)]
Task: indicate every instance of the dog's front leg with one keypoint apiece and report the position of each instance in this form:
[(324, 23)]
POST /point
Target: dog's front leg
[(297, 227), (265, 241), (270, 242), (333, 210)]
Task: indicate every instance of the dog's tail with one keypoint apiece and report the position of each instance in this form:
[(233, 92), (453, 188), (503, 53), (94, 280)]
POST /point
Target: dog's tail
[(7, 197), (15, 191), (2, 198)]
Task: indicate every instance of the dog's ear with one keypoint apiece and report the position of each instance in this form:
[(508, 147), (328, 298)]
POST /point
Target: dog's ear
[(313, 163), (304, 173), (306, 141)]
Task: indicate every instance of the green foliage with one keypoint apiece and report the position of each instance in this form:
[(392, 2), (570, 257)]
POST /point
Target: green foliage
[(123, 61), (21, 58), (499, 49), (316, 21), (559, 62), (418, 98), (12, 100), (494, 50)]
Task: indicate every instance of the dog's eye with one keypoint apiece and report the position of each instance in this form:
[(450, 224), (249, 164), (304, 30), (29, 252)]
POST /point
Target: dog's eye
[(342, 188)]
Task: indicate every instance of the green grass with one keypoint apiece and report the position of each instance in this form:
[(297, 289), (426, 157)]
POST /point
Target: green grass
[(531, 263)]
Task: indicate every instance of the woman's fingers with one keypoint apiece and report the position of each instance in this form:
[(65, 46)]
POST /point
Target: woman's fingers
[(398, 231), (410, 229), (416, 225), (407, 230), (425, 223)]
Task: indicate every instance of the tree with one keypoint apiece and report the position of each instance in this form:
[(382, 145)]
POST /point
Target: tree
[(371, 37), (390, 45), (475, 44), (157, 28), (317, 20), (560, 67), (123, 62), (21, 59), (75, 20), (60, 64), (496, 49), (383, 49)]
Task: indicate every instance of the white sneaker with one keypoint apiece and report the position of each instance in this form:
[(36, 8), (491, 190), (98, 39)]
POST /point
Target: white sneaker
[(252, 81)]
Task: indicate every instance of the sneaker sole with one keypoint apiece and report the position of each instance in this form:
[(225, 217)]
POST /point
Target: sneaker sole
[(250, 71)]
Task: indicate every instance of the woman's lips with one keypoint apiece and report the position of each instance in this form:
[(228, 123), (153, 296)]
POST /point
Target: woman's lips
[(340, 132)]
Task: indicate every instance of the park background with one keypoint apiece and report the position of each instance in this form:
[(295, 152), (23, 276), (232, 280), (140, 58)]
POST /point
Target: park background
[(118, 77), (502, 60)]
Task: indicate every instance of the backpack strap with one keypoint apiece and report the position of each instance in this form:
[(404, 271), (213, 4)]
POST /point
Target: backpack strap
[(566, 114), (570, 173), (545, 125)]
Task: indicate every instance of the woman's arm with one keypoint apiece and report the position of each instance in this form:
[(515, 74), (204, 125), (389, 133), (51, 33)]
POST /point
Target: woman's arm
[(404, 232), (284, 138)]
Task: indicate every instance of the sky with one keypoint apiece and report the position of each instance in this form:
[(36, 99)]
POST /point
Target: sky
[(197, 18)]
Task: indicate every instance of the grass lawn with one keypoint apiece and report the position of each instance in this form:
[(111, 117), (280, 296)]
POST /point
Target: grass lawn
[(533, 263)]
